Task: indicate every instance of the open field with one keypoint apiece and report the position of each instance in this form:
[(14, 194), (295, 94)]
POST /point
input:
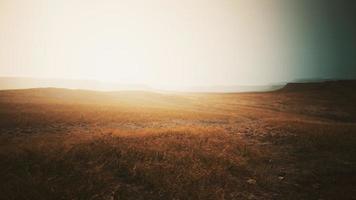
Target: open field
[(295, 143)]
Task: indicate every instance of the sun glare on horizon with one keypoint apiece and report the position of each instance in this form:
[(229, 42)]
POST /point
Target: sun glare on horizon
[(158, 43), (173, 44)]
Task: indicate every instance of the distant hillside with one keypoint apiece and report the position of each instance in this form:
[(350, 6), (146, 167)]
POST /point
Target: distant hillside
[(11, 83), (235, 88), (337, 85)]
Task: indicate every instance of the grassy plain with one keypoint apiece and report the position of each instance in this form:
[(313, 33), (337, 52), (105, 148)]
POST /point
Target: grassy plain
[(296, 143)]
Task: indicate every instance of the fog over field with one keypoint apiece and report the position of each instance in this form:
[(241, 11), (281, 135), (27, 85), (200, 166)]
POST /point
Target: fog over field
[(8, 83)]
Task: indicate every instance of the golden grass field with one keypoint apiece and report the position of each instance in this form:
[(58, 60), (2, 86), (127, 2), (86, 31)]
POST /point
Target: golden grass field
[(295, 143)]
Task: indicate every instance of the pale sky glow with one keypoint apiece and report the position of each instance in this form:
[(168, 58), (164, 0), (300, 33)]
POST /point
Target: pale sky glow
[(160, 43)]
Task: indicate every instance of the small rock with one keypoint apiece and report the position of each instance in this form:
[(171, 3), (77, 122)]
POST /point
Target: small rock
[(251, 181), (281, 178)]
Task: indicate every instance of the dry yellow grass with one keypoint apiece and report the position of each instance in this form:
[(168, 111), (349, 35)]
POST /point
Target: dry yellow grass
[(64, 144)]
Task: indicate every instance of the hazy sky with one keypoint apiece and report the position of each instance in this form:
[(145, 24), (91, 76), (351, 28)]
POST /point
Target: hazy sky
[(175, 43)]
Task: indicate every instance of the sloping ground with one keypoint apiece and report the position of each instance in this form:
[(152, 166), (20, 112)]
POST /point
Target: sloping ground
[(333, 100), (338, 86), (69, 144)]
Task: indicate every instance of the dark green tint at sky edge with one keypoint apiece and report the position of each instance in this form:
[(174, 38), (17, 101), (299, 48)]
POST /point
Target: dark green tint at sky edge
[(325, 38)]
